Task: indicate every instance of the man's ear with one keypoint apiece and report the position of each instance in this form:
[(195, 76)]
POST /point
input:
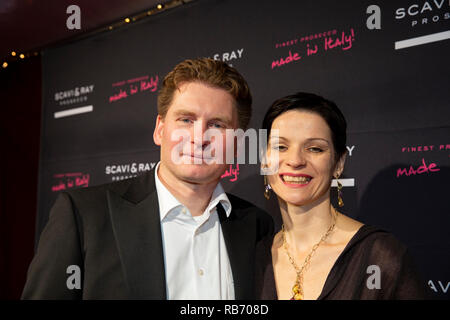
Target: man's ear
[(339, 168), (157, 134), (235, 145)]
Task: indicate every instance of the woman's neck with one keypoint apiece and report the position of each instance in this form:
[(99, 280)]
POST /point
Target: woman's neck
[(305, 225)]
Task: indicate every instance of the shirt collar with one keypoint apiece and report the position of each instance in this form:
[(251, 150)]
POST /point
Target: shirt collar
[(167, 201)]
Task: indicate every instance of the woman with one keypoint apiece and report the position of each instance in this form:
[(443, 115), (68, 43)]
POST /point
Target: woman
[(320, 253)]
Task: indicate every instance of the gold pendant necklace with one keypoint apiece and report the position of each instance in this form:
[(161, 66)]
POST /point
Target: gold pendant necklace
[(297, 289)]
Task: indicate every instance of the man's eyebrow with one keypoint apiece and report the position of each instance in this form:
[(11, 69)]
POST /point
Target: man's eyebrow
[(183, 112), (225, 120), (187, 113)]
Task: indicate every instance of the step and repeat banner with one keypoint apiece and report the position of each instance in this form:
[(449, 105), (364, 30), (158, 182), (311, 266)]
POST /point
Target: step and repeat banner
[(384, 63)]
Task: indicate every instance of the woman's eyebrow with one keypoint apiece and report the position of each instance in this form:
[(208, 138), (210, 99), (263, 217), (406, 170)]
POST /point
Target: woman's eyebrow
[(307, 140), (321, 139)]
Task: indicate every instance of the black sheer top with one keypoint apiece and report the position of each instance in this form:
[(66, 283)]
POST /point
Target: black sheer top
[(348, 277)]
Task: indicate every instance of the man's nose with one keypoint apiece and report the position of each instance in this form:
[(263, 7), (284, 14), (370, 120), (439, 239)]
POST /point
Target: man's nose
[(198, 134)]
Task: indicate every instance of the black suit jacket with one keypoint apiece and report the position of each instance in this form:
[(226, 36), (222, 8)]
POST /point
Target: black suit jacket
[(113, 233)]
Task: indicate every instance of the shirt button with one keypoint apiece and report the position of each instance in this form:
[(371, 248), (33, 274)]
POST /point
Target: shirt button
[(201, 271)]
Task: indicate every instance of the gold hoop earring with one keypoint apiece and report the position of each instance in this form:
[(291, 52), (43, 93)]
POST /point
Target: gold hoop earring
[(267, 188), (339, 192)]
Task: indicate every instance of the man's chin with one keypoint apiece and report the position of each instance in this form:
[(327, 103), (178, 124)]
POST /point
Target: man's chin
[(200, 173), (190, 160)]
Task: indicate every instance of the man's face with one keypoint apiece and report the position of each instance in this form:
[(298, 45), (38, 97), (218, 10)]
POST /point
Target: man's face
[(185, 153)]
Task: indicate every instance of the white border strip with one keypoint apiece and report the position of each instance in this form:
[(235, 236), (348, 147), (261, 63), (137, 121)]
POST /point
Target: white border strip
[(422, 40), (344, 182), (74, 111)]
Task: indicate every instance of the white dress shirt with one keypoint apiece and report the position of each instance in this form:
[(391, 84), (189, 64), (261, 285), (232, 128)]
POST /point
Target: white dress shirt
[(195, 256)]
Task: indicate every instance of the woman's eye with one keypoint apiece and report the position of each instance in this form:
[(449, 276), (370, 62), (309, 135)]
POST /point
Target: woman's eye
[(279, 148), (315, 150)]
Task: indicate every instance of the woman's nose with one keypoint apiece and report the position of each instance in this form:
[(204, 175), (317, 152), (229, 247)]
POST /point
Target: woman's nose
[(296, 159)]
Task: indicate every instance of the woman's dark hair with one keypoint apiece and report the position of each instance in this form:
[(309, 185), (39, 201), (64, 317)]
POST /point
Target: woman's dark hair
[(310, 102)]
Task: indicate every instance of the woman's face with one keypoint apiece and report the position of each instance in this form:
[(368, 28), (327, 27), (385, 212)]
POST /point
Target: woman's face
[(306, 161)]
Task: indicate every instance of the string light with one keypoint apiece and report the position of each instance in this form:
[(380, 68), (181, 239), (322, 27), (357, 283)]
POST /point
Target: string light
[(159, 6), (148, 12)]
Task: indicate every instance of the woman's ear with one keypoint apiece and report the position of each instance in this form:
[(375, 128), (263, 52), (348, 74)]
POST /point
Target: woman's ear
[(264, 160), (339, 168)]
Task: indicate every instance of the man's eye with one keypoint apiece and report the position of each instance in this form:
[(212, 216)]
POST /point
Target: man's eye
[(185, 120), (217, 125)]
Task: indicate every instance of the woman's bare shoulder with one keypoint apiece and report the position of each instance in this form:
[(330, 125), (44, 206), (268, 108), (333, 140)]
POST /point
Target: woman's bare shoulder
[(346, 228)]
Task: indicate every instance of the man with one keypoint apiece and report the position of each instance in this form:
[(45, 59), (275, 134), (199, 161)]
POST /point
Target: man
[(172, 233)]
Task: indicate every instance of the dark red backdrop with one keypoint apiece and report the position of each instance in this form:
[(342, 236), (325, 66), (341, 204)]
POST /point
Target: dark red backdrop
[(20, 100)]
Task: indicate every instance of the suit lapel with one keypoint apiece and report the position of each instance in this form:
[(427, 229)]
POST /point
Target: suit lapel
[(137, 230), (239, 247)]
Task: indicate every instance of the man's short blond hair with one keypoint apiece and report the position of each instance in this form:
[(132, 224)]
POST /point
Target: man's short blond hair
[(213, 73)]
